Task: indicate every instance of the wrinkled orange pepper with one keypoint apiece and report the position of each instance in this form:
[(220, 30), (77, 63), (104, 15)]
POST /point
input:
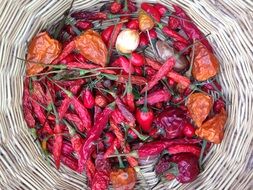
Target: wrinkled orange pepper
[(213, 129), (123, 179), (199, 106), (92, 47), (42, 49), (145, 21), (205, 64)]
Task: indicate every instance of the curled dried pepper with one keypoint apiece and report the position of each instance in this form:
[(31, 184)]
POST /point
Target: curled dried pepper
[(42, 50), (70, 161), (145, 21), (199, 106), (205, 64), (213, 129)]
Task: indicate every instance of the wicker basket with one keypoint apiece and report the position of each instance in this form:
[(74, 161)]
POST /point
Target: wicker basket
[(227, 166)]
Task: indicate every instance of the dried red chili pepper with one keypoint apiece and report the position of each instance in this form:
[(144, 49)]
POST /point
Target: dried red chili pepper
[(125, 112), (101, 101), (133, 24), (67, 148), (163, 71), (190, 29), (143, 41), (173, 22), (173, 34), (218, 105), (70, 161), (76, 120), (94, 134), (117, 116), (125, 64), (82, 112), (57, 147), (155, 148), (179, 148), (145, 118), (100, 181), (189, 130), (150, 9), (106, 34), (155, 97), (84, 25), (111, 150), (115, 7), (161, 9), (137, 59), (88, 99)]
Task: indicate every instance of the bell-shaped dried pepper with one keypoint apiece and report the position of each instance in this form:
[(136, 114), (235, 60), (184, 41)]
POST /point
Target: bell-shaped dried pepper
[(213, 129), (123, 179), (199, 106), (41, 50), (145, 21), (205, 64), (92, 47)]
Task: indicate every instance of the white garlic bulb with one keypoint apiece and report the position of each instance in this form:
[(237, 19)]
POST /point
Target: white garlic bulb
[(127, 41)]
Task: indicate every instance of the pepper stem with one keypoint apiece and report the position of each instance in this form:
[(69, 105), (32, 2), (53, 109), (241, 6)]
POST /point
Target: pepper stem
[(69, 94), (145, 107), (121, 164), (72, 131), (132, 154), (189, 72)]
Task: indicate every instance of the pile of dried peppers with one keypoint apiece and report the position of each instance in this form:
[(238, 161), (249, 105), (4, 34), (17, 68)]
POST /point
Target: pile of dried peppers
[(105, 99)]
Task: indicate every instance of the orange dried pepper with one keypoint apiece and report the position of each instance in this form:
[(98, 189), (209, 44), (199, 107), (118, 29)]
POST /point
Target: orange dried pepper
[(123, 179), (145, 21), (205, 64), (42, 49), (199, 105), (92, 47), (213, 129)]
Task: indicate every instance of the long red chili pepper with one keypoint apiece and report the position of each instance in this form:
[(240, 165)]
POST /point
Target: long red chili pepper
[(57, 147), (67, 148), (155, 148), (117, 116), (151, 10), (182, 148), (84, 25), (162, 72), (161, 9), (94, 134), (76, 120), (125, 112), (184, 81), (70, 161), (190, 28), (156, 97), (88, 99), (173, 34)]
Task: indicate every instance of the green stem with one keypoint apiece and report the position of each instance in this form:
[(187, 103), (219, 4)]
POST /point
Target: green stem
[(189, 72), (69, 94), (125, 6), (121, 164), (145, 107)]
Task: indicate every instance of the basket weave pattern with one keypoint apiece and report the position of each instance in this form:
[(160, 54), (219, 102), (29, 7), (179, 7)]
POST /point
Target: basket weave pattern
[(227, 166)]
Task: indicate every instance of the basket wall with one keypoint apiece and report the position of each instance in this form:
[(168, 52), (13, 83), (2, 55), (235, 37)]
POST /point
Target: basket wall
[(227, 166)]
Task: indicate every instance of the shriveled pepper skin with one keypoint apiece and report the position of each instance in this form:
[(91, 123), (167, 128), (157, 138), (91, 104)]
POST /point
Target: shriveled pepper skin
[(205, 64), (42, 49), (213, 129), (199, 106), (92, 47)]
